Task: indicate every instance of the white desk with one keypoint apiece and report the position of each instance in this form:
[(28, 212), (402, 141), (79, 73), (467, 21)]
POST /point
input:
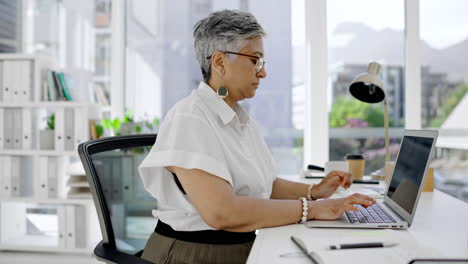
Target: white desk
[(435, 232)]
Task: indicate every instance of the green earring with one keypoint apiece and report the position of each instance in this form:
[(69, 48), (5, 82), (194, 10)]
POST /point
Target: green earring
[(222, 92)]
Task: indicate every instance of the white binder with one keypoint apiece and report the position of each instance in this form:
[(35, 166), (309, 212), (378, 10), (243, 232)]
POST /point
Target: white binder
[(15, 176), (80, 226), (7, 81), (6, 175), (8, 128), (43, 176), (26, 129), (1, 177), (15, 81), (116, 178), (59, 129), (2, 127), (81, 126), (17, 128), (11, 228), (62, 226), (127, 177), (69, 129), (25, 80), (71, 226), (52, 181), (1, 81)]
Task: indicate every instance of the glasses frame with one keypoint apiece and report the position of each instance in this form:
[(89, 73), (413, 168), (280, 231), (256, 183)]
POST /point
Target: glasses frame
[(259, 65)]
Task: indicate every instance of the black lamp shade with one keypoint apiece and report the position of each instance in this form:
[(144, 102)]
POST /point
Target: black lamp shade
[(369, 93)]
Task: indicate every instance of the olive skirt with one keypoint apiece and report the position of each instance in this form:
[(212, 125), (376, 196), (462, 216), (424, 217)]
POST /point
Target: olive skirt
[(164, 250)]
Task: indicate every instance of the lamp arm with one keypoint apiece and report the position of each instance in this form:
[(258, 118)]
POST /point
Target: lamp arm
[(387, 140)]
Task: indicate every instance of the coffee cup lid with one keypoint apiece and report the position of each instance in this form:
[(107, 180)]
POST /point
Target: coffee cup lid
[(354, 157)]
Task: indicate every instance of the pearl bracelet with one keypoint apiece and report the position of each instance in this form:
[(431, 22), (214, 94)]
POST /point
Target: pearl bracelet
[(305, 210)]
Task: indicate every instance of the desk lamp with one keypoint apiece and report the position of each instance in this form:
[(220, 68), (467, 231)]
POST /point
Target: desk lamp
[(369, 88)]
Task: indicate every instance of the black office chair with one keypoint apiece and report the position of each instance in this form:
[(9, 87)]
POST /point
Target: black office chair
[(123, 206)]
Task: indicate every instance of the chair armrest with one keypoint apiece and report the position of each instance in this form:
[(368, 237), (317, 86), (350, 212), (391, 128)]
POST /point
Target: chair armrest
[(108, 254)]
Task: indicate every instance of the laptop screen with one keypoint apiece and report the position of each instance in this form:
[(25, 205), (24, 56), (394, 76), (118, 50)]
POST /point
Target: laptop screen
[(409, 171)]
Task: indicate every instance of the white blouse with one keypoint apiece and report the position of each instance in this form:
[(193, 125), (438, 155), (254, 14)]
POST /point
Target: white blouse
[(203, 132)]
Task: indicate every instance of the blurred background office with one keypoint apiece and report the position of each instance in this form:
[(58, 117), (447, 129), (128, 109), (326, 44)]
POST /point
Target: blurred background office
[(135, 59)]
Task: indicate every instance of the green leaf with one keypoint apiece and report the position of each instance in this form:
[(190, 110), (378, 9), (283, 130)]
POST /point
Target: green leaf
[(51, 122), (99, 130), (156, 122), (138, 129), (149, 125), (116, 125), (106, 123), (128, 117)]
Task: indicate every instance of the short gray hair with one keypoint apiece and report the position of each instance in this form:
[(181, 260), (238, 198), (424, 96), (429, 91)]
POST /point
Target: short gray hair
[(225, 30)]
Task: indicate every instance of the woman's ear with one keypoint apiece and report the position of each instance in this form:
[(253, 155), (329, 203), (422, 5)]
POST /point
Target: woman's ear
[(217, 63)]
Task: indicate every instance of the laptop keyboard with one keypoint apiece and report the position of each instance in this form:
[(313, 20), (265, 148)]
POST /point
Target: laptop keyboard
[(372, 214)]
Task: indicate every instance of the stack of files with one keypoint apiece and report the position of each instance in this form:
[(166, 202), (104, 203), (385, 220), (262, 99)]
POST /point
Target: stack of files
[(77, 189), (77, 182)]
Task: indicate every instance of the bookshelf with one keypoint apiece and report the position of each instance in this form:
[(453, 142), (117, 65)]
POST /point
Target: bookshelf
[(35, 211), (103, 37)]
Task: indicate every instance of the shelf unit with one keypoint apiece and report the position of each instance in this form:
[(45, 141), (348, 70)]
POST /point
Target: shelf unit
[(101, 78), (35, 213)]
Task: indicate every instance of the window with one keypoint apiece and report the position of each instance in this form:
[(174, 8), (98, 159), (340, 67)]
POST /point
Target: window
[(355, 38), (10, 23), (444, 85), (444, 70), (161, 67)]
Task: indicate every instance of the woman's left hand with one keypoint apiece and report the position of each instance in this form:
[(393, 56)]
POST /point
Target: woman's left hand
[(327, 187)]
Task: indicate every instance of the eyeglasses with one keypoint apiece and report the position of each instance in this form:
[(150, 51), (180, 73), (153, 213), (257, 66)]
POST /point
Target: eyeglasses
[(259, 64)]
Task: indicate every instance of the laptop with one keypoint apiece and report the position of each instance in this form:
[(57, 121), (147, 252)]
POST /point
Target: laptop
[(398, 207)]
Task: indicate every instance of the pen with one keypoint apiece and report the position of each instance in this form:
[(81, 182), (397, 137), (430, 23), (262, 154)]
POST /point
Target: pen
[(362, 245), (301, 245)]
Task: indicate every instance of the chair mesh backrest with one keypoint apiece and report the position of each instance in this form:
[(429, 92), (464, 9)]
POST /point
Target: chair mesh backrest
[(123, 205)]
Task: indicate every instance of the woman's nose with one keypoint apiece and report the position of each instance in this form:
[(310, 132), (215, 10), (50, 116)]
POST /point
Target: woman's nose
[(262, 73)]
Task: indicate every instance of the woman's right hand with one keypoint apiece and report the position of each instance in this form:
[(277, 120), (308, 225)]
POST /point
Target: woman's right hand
[(331, 209)]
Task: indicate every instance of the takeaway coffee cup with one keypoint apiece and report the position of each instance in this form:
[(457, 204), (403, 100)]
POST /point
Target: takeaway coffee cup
[(388, 170), (356, 165)]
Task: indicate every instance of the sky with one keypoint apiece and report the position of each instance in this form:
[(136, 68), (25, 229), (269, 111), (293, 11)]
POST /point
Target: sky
[(442, 22)]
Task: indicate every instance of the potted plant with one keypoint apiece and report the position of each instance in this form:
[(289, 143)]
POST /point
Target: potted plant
[(46, 136), (126, 126)]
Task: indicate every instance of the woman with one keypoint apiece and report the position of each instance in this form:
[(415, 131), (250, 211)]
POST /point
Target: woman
[(210, 169)]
